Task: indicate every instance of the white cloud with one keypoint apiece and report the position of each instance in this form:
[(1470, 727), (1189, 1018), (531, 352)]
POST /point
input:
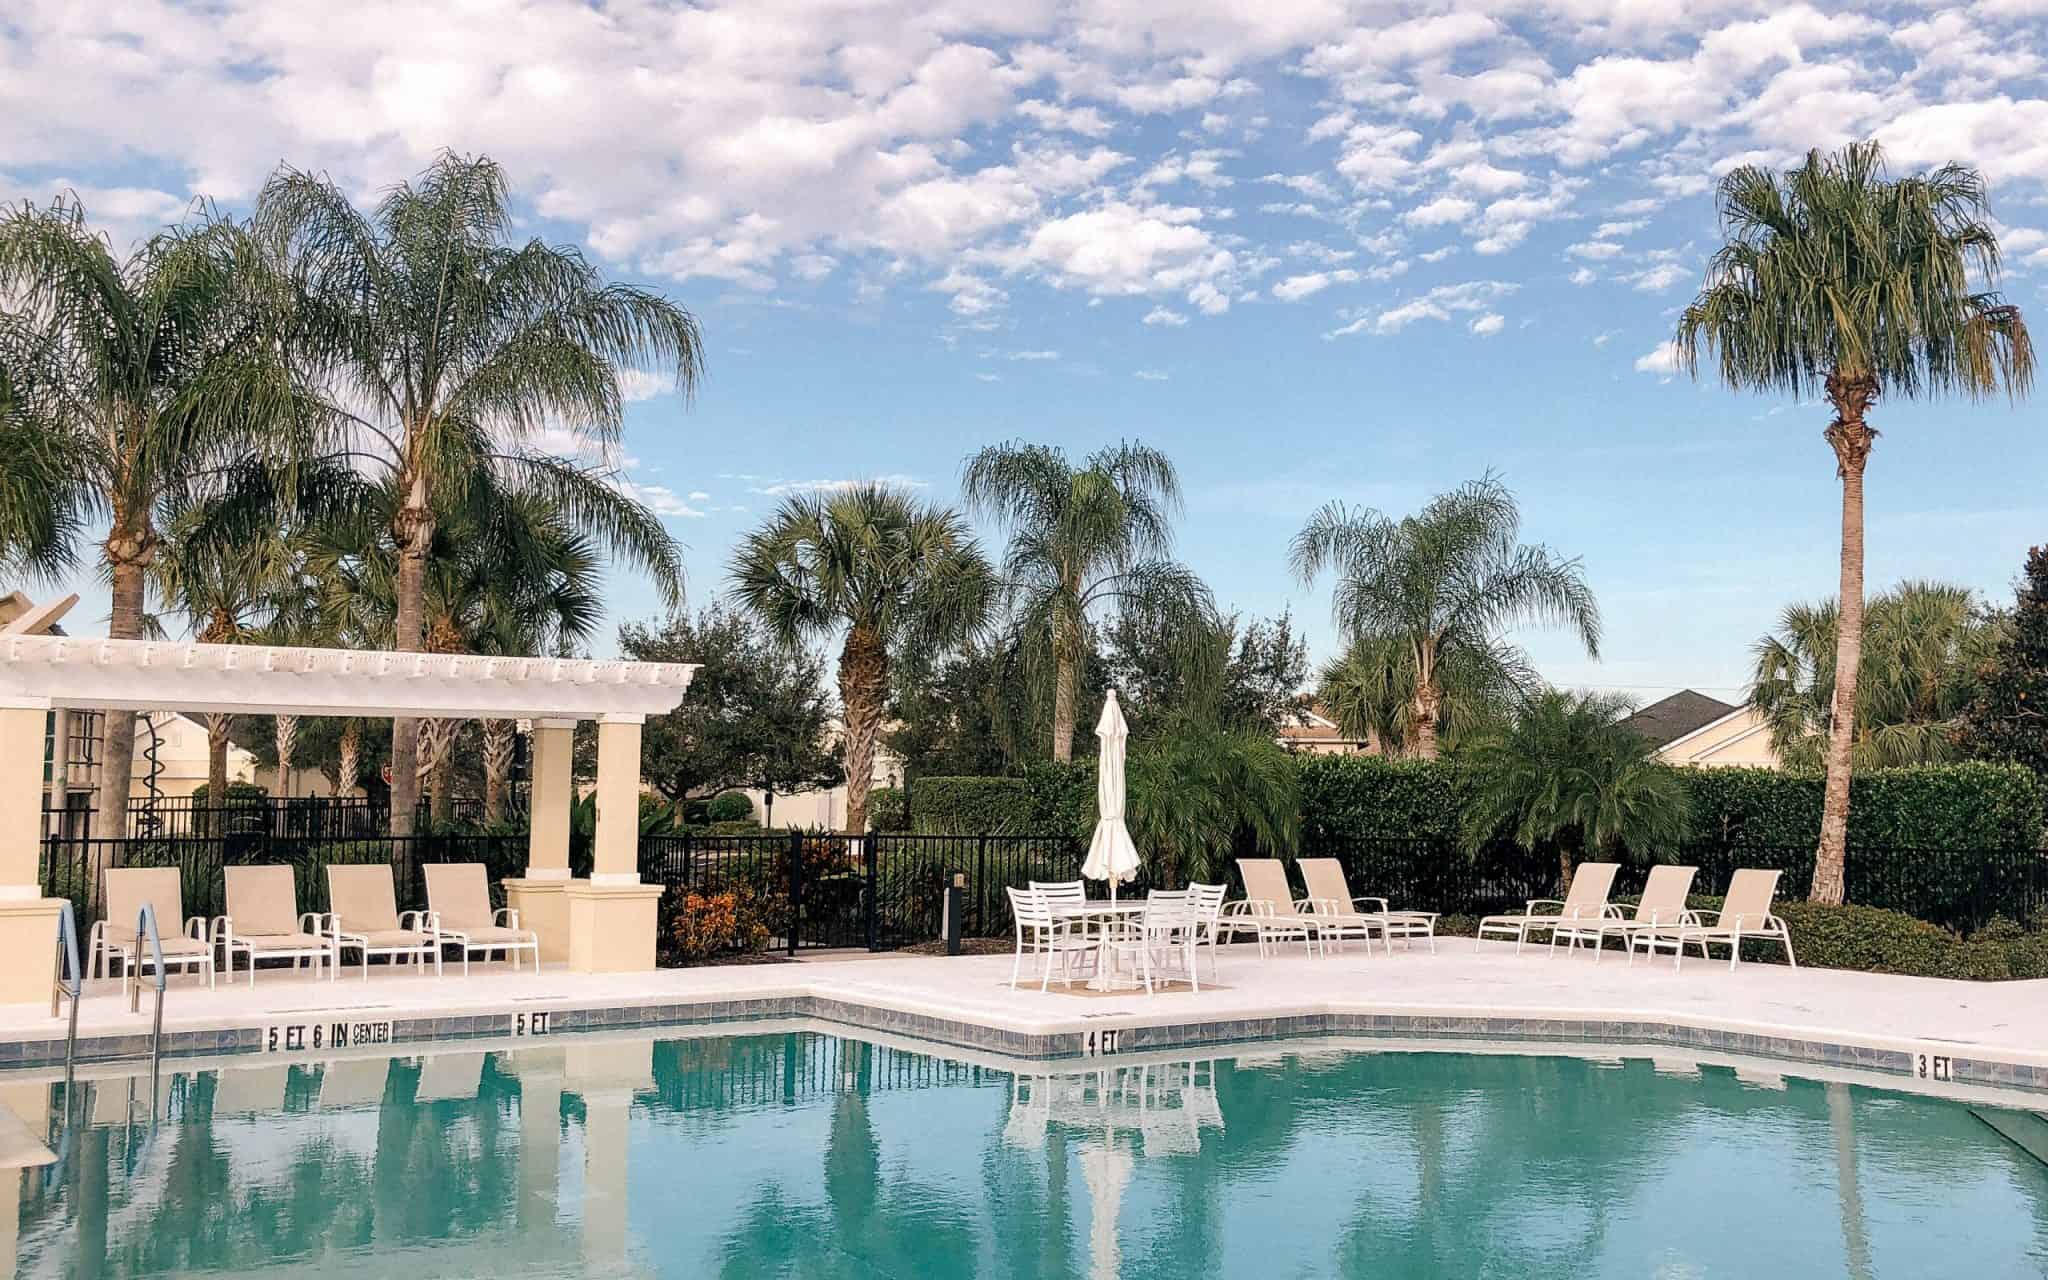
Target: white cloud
[(1584, 276), (1439, 303), (1295, 288), (1656, 279), (1149, 375), (893, 480), (1489, 324), (1663, 358), (1597, 250), (1034, 355), (1165, 316), (1442, 211)]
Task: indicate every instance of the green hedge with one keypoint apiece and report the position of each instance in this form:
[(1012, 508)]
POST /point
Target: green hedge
[(1958, 806), (1049, 799), (1873, 940)]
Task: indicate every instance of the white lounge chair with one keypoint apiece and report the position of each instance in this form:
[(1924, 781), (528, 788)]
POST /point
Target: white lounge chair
[(1585, 901), (1269, 911), (1745, 914), (1662, 906), (1324, 879), (185, 942), (459, 912), (1041, 933), (263, 921), (363, 915)]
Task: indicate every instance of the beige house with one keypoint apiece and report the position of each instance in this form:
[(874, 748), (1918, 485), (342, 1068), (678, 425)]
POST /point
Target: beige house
[(1311, 730), (1690, 728)]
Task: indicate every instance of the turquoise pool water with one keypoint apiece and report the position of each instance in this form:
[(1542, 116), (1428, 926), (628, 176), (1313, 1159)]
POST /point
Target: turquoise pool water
[(805, 1155)]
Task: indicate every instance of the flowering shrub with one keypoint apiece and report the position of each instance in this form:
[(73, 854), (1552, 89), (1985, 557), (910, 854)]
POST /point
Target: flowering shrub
[(699, 926)]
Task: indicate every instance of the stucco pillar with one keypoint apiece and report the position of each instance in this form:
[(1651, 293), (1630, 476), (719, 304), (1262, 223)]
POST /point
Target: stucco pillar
[(28, 920), (539, 896), (612, 915)]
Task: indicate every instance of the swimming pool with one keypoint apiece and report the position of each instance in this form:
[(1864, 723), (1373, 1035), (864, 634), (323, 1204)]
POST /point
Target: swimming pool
[(804, 1154)]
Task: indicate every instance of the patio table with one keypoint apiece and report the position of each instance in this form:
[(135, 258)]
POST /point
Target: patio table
[(1107, 918)]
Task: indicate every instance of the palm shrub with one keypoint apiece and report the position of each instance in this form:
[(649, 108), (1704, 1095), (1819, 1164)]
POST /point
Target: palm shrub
[(886, 570), (1370, 691), (1082, 538), (452, 348), (1198, 796), (1566, 773), (1923, 643), (130, 383), (2008, 720), (1431, 594), (1839, 281)]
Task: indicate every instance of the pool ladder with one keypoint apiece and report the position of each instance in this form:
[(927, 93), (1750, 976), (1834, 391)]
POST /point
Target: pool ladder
[(70, 983)]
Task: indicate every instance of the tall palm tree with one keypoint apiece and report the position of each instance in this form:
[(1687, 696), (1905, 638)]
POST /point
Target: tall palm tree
[(1837, 280), (133, 381), (451, 348), (1452, 577), (1080, 537), (1922, 645), (1567, 772), (508, 574), (894, 573), (1370, 690)]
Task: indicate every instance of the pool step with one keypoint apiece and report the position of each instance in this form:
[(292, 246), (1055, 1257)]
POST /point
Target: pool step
[(2027, 1130)]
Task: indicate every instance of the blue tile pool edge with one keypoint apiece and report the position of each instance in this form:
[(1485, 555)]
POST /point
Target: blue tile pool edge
[(1128, 1038)]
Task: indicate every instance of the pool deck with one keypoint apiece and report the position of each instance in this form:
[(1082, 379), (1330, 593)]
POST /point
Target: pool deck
[(1926, 1031)]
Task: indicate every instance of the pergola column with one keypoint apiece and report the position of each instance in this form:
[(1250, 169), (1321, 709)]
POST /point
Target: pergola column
[(540, 896), (612, 915), (28, 920)]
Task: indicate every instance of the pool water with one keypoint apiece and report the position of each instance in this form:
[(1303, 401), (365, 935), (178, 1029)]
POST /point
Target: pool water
[(807, 1155)]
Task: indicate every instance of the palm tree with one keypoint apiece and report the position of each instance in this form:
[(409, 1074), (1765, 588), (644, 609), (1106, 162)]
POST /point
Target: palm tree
[(1839, 281), (1568, 772), (230, 590), (1370, 690), (132, 381), (895, 573), (452, 347), (1452, 577), (1080, 537), (1923, 643)]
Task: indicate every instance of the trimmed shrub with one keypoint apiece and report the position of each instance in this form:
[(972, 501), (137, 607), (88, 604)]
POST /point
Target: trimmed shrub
[(885, 810), (1973, 805), (972, 807), (1874, 940), (729, 806)]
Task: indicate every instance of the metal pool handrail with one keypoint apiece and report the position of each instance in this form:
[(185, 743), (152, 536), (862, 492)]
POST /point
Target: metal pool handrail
[(70, 980), (145, 926)]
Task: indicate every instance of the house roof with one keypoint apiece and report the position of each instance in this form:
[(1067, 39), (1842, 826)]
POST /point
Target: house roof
[(1669, 719)]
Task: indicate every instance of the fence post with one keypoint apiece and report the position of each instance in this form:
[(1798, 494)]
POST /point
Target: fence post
[(953, 897), (796, 887), (981, 886), (868, 847)]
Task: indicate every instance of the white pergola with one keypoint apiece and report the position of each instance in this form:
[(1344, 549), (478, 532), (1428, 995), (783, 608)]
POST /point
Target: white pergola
[(603, 924)]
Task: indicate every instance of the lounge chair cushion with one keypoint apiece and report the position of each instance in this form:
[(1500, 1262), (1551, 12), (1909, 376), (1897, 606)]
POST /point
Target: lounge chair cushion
[(383, 939), (176, 945), (280, 941)]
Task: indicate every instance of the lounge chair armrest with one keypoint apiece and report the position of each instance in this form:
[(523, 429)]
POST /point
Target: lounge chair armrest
[(1236, 907), (416, 921), (223, 929), (1529, 908), (1381, 909), (507, 917), (195, 928), (311, 922)]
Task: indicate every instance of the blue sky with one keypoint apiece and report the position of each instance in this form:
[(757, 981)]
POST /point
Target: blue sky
[(1313, 249)]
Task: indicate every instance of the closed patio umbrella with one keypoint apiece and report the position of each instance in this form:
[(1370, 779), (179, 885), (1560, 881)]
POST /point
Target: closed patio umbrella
[(1111, 855)]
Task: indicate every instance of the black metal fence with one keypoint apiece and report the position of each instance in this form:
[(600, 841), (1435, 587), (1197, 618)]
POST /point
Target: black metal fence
[(308, 817), (887, 891)]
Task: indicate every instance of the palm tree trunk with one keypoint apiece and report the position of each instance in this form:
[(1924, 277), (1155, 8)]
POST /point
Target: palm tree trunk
[(414, 531), (1066, 658), (1428, 705), (287, 742), (442, 782), (1851, 440), (436, 736), (499, 739), (117, 728), (863, 681), (217, 772), (350, 752)]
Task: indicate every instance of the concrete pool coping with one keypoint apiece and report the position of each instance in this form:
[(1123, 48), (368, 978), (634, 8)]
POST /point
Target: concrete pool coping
[(1931, 1034)]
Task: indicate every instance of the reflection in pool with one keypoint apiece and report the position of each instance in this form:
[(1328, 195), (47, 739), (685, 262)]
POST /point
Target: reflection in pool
[(807, 1155)]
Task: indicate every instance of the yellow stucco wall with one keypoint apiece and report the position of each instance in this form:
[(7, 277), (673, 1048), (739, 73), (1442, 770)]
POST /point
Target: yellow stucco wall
[(1739, 739)]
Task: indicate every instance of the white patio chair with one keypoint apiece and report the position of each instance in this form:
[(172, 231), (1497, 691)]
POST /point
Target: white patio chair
[(127, 890), (363, 916), (1325, 882), (1268, 910), (1163, 933), (1042, 934), (1208, 907), (1584, 902), (1660, 908), (1061, 892), (1745, 914), (263, 921), (459, 912)]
